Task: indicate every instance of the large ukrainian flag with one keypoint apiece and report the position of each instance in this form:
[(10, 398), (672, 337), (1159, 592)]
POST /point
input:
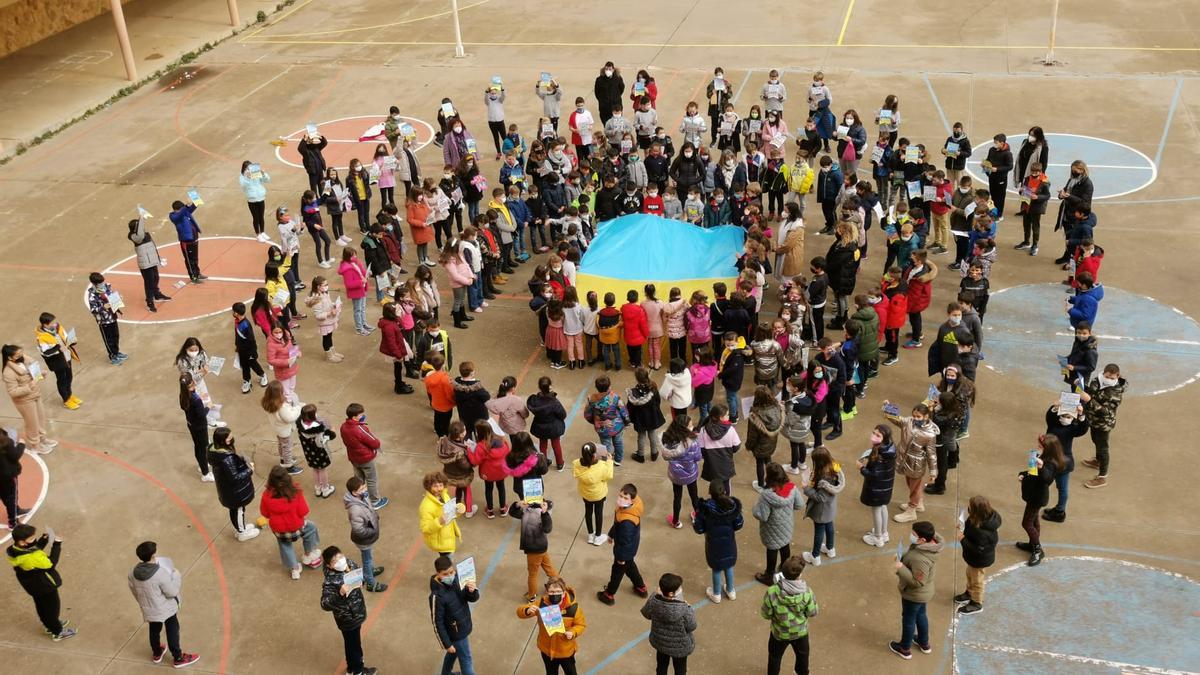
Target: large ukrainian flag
[(634, 250)]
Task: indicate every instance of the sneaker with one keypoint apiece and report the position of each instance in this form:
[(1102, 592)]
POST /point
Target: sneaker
[(903, 653), (833, 435), (1091, 463), (912, 344), (712, 597), (850, 415), (693, 516), (186, 660), (115, 362), (157, 657), (554, 365), (591, 538), (934, 489), (764, 578), (905, 516), (616, 463), (72, 403), (329, 490), (67, 622), (217, 424), (384, 501), (491, 515), (961, 435), (1021, 246), (377, 587), (810, 559), (1033, 250), (295, 470), (925, 648), (478, 310), (601, 539), (962, 598), (1097, 482), (468, 514), (65, 634), (871, 540), (641, 592), (970, 608), (674, 522), (248, 533), (607, 599), (794, 470), (1054, 515), (246, 387), (262, 381), (207, 478), (954, 265), (831, 552), (731, 594), (891, 361)]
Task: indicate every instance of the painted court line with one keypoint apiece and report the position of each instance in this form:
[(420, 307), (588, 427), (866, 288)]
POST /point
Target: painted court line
[(37, 503), (936, 103), (1137, 339), (237, 280), (1162, 143), (1073, 658), (845, 23)]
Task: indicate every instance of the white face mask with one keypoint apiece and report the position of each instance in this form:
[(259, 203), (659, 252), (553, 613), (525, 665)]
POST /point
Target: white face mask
[(912, 538), (193, 353), (1106, 381), (608, 72), (1065, 420), (687, 154), (849, 121), (341, 565), (457, 129), (955, 320), (654, 193)]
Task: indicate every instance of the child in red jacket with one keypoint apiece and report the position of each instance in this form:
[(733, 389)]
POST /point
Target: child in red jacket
[(917, 278), (393, 344), (362, 448), (1087, 258), (897, 311), (633, 316), (488, 454), (441, 393)]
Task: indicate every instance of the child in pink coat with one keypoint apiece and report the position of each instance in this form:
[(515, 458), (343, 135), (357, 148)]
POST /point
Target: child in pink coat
[(284, 356), (354, 276)]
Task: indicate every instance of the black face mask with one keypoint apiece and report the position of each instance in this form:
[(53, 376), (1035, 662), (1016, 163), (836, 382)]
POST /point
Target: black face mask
[(19, 359), (555, 598)]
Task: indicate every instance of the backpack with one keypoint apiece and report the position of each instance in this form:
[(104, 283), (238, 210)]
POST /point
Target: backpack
[(697, 329)]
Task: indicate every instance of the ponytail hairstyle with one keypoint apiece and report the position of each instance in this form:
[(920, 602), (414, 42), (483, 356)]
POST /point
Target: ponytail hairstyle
[(506, 386)]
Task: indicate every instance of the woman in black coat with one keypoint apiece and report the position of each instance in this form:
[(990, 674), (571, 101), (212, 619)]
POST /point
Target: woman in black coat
[(235, 481), (1033, 149), (609, 90), (978, 534), (687, 170), (1076, 195), (314, 162), (878, 469)]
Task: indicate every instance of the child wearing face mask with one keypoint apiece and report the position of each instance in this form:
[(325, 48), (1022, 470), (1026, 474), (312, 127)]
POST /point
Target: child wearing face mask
[(327, 312), (997, 165), (916, 457), (315, 434), (718, 94), (615, 130), (897, 312), (337, 202), (956, 157), (1035, 195), (774, 93), (729, 130), (693, 125), (449, 605), (625, 535), (582, 126), (717, 211)]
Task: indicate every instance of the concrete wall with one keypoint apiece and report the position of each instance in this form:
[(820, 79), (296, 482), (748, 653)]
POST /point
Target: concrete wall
[(24, 22)]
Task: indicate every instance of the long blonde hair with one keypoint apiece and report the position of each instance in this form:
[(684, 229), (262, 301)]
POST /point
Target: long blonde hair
[(272, 399)]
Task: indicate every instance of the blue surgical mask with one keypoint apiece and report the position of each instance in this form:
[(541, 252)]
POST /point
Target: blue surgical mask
[(448, 580)]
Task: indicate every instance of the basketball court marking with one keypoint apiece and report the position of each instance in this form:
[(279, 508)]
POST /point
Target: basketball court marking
[(37, 503), (295, 136), (1112, 166)]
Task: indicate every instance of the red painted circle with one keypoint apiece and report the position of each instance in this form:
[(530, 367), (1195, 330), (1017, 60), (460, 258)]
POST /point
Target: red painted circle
[(343, 135)]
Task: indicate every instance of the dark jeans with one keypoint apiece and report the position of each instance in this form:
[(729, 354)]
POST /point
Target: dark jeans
[(814, 328), (998, 188), (822, 535), (829, 208), (191, 258), (552, 665), (799, 453), (913, 620), (1031, 522), (8, 495), (1100, 440), (777, 555), (150, 285), (891, 342), (818, 414), (200, 445), (257, 211), (677, 500), (48, 606), (621, 569), (487, 492), (364, 215), (678, 348), (442, 227), (593, 516), (914, 321), (321, 243), (172, 625), (833, 412), (1032, 224), (635, 355), (63, 376), (776, 649), (354, 653), (663, 662)]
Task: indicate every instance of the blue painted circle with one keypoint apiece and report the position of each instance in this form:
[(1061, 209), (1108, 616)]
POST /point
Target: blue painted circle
[(1115, 169), (1157, 346), (1080, 616)]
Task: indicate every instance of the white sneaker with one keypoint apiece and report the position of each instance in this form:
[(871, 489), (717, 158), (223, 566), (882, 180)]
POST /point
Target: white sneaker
[(262, 381), (886, 537), (248, 534), (794, 471), (478, 310), (754, 484), (217, 424), (473, 511), (731, 594), (329, 489), (246, 387), (831, 552), (296, 572), (810, 560), (484, 304), (591, 539), (712, 597), (871, 540), (207, 478), (601, 539), (905, 516), (50, 444)]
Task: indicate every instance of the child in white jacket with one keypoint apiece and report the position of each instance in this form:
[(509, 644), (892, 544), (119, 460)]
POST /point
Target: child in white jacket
[(676, 388)]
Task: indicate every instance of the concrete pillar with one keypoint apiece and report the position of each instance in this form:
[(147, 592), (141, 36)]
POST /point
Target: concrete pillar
[(123, 40), (233, 14)]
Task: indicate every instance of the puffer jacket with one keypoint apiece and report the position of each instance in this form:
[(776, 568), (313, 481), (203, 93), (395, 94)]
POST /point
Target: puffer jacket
[(797, 420), (822, 498), (549, 416), (1101, 409), (672, 622), (916, 573), (645, 408), (232, 474), (763, 428), (673, 312), (774, 510), (490, 459), (676, 389), (879, 477), (718, 444), (916, 452), (718, 527), (284, 515), (557, 646), (439, 538), (592, 481), (456, 462), (349, 611), (868, 334), (156, 589), (979, 543), (683, 462), (471, 399), (767, 356), (449, 610), (606, 413), (1035, 490), (510, 411), (364, 521)]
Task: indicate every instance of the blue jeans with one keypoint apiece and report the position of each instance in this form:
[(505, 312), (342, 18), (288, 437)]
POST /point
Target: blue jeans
[(913, 619), (519, 239), (368, 566), (1063, 481), (731, 400), (966, 420), (612, 355), (475, 292), (615, 445), (380, 291), (312, 542), (462, 653), (822, 534), (727, 575), (360, 313)]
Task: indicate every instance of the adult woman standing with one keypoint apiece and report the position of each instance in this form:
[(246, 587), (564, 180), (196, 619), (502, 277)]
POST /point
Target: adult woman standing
[(286, 511), (310, 148), (235, 481), (687, 171), (609, 89), (254, 186), (1035, 492), (1034, 150), (1076, 195), (196, 414), (841, 264), (456, 148), (878, 470), (789, 254), (26, 395)]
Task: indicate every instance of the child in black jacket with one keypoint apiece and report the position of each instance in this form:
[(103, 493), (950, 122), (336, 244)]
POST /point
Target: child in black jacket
[(246, 348), (818, 288), (37, 572), (625, 535), (1066, 425), (450, 612), (978, 533), (536, 523)]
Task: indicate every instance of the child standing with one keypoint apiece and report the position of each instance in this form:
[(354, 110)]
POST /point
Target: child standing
[(593, 470), (878, 469), (653, 309), (489, 453), (824, 485), (282, 413), (58, 352), (362, 449), (696, 320), (916, 454), (682, 452), (788, 604), (978, 536), (315, 435), (778, 497), (558, 650), (645, 411), (440, 392), (918, 275), (608, 323), (625, 536), (1101, 397), (915, 570), (536, 523), (454, 450), (672, 622), (703, 379), (719, 442), (609, 416), (246, 348), (764, 424), (1035, 492), (718, 518)]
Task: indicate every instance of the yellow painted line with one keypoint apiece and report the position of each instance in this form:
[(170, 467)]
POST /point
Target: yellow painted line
[(845, 23), (384, 25), (276, 21), (617, 45)]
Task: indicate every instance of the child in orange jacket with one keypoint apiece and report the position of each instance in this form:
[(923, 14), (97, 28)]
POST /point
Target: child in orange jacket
[(441, 394)]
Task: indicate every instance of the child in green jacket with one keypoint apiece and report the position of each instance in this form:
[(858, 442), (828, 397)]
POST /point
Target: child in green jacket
[(788, 605)]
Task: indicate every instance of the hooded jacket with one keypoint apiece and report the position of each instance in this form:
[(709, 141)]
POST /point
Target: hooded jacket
[(535, 525), (490, 459), (1035, 490), (511, 412), (788, 605), (916, 574), (450, 611), (156, 589), (439, 538), (672, 622), (916, 451), (774, 510), (626, 530), (350, 610), (557, 646), (676, 389), (284, 515), (1085, 305), (718, 527), (364, 520), (362, 446), (592, 481), (762, 430), (718, 443), (879, 476), (456, 461), (314, 441), (1101, 408), (37, 571), (979, 543), (233, 477), (766, 356), (868, 335), (683, 461), (549, 416), (471, 399), (797, 420), (645, 408), (606, 413), (822, 497)]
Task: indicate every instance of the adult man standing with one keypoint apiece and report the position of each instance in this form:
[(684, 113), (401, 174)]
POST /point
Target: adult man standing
[(155, 584)]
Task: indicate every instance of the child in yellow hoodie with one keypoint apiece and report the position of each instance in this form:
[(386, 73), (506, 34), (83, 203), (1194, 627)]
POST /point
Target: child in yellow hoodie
[(625, 535), (592, 472)]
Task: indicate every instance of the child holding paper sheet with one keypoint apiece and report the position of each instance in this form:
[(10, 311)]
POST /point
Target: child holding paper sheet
[(561, 622), (450, 595), (106, 304), (536, 523), (1045, 464), (57, 346), (978, 535), (1064, 420), (193, 360)]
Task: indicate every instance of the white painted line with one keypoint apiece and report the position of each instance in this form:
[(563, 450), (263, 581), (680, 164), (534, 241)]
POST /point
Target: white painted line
[(1138, 339), (295, 135), (1109, 166), (37, 504), (1072, 658), (237, 280), (745, 80), (1016, 137)]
